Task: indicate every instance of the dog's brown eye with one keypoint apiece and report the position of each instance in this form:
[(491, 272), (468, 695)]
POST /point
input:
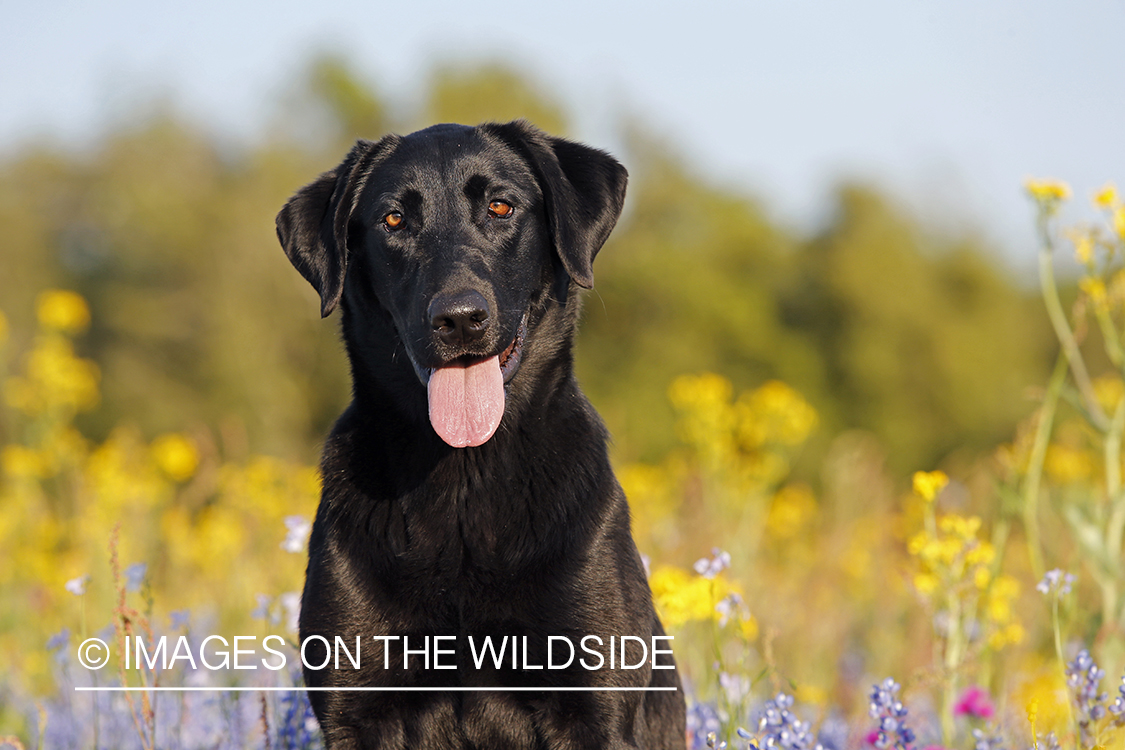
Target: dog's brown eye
[(500, 209), (393, 220)]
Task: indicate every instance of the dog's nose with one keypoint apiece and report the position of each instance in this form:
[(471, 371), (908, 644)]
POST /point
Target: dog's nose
[(459, 319)]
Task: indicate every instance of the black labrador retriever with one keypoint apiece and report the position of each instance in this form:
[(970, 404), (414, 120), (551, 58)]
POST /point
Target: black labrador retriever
[(471, 557)]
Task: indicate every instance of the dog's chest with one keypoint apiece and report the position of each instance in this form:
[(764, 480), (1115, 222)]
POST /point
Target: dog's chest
[(487, 521)]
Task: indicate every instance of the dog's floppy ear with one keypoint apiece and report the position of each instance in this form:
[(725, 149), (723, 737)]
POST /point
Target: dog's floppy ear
[(313, 225), (584, 190)]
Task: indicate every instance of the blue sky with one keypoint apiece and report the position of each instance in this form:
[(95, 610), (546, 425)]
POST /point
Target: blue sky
[(948, 105)]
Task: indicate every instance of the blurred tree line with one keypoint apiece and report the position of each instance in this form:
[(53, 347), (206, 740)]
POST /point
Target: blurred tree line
[(198, 319)]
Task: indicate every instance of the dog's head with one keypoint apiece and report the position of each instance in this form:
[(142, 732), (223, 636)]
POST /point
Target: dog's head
[(466, 238)]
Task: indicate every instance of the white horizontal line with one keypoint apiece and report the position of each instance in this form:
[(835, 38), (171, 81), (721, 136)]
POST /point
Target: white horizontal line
[(371, 689)]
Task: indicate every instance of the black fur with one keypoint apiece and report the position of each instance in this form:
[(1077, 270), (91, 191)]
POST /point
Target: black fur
[(525, 535)]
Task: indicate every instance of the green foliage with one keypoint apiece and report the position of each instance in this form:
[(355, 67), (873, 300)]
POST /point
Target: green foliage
[(922, 340), (883, 326), (351, 107), (491, 92)]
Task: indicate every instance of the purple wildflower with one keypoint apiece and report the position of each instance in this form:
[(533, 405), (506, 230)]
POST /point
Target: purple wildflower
[(834, 733), (60, 644), (59, 640), (297, 725), (291, 606), (1050, 742), (983, 741), (135, 576), (750, 745), (77, 586), (1118, 706), (730, 607), (889, 711), (736, 687), (262, 611), (781, 729), (702, 720), (1083, 677), (712, 566), (179, 619), (1056, 580), (297, 533)]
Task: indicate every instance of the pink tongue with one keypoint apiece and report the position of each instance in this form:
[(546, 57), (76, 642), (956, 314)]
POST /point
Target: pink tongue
[(467, 402)]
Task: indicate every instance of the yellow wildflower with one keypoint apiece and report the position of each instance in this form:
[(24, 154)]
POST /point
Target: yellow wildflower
[(811, 695), (1109, 390), (176, 455), (19, 462), (748, 627), (703, 391), (1047, 691), (1083, 247), (792, 509), (982, 576), (1003, 592), (926, 583), (928, 484), (1107, 196), (63, 446), (652, 492), (1095, 290), (682, 597), (979, 554), (267, 486), (951, 555), (1066, 465), (1008, 635), (121, 480), (219, 536), (55, 378), (959, 525), (1047, 191), (707, 417), (774, 413), (63, 311)]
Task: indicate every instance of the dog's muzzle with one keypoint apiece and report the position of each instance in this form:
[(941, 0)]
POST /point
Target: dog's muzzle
[(466, 396)]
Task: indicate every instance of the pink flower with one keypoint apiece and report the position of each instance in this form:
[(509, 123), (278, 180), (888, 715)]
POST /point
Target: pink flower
[(974, 702)]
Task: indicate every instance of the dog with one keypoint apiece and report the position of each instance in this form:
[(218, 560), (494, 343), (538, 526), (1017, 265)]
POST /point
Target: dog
[(468, 501)]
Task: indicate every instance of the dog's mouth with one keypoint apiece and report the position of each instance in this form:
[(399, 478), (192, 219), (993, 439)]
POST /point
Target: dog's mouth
[(510, 358), (466, 396)]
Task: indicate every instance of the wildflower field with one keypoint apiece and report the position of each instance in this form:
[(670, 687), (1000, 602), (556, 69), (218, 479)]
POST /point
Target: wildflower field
[(979, 605), (885, 509)]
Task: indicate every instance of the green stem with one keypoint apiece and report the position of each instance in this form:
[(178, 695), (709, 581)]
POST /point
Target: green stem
[(1036, 461), (1062, 328), (1057, 629), (1062, 662), (1112, 447), (953, 652), (1115, 529), (1109, 335)]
